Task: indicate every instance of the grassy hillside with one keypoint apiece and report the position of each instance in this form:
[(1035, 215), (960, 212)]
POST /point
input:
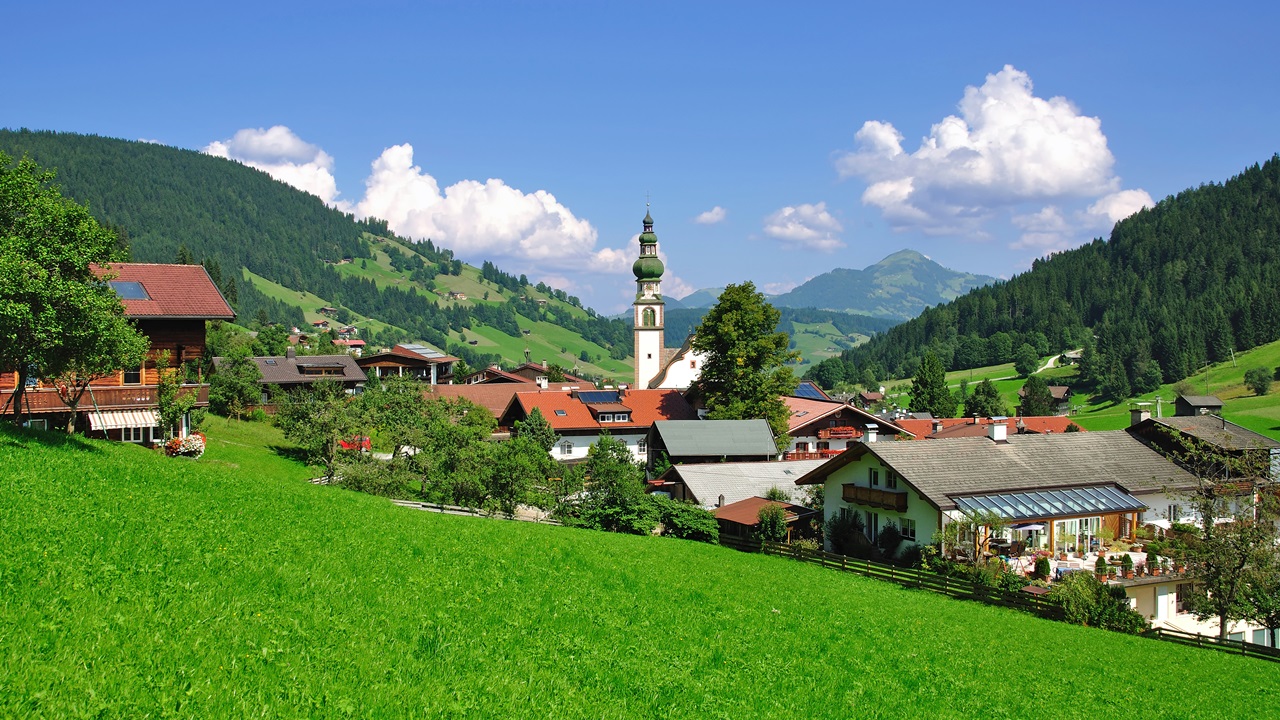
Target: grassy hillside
[(228, 586)]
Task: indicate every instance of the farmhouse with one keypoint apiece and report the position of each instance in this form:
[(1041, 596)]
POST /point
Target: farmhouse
[(822, 429), (580, 417), (169, 304), (1067, 486), (421, 362), (710, 441), (282, 373)]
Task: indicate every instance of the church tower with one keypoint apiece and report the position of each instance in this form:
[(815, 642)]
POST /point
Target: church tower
[(649, 307)]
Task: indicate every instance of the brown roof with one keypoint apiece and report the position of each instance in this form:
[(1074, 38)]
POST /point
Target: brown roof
[(173, 291), (494, 397), (1216, 431), (968, 427), (1059, 392), (805, 411), (495, 375), (747, 512), (284, 370)]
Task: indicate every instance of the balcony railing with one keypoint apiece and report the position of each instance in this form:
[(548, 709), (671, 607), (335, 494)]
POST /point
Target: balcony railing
[(843, 432), (875, 497), (47, 400), (811, 454)]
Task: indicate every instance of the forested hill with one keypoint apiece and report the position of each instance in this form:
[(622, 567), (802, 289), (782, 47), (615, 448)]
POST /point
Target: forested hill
[(230, 216), (1175, 287)]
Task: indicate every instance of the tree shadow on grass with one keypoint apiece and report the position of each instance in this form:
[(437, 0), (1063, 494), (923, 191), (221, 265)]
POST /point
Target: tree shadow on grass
[(17, 437), (296, 454)]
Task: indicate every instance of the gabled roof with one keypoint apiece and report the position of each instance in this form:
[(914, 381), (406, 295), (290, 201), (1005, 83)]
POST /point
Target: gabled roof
[(716, 438), (944, 469), (537, 369), (495, 375), (1201, 400), (737, 480), (407, 355), (494, 397), (1216, 431), (747, 511), (566, 411), (170, 291), (811, 391), (1059, 392), (284, 370), (805, 411), (968, 427), (671, 357)]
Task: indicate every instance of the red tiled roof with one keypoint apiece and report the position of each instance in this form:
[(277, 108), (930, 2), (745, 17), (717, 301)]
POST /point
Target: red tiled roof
[(493, 397), (965, 427), (495, 375), (537, 369), (175, 291), (349, 343), (646, 407), (805, 411), (747, 512)]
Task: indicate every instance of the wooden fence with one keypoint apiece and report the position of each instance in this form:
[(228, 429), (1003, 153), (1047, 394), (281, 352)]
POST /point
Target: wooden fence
[(919, 579), (958, 588), (1235, 647)]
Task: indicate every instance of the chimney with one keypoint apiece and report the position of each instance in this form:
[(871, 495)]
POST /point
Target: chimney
[(542, 383), (291, 353), (871, 432), (998, 432), (1137, 415), (544, 363)]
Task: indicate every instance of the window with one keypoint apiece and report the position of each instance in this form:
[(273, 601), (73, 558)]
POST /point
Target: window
[(642, 446), (648, 317), (133, 376), (40, 424), (907, 527), (874, 476), (824, 445), (891, 480), (873, 526), (126, 290), (133, 435), (561, 413), (606, 417), (802, 447), (566, 448), (1260, 637)]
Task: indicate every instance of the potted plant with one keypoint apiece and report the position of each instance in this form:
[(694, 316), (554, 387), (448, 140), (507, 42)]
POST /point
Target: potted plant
[(1164, 565), (1100, 568), (1153, 562), (1111, 573), (1126, 564), (1042, 570)]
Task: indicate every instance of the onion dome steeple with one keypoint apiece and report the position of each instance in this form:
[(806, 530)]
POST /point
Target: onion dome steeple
[(648, 267)]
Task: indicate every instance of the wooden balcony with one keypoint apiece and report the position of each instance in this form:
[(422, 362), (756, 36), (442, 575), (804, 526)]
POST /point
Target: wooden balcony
[(875, 497), (811, 455), (843, 432), (46, 400)]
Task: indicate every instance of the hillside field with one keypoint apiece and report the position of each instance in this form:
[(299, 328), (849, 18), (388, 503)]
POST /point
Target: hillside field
[(139, 585)]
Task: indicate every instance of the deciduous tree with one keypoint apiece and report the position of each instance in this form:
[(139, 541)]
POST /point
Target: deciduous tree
[(985, 401), (745, 375), (1258, 380), (929, 391)]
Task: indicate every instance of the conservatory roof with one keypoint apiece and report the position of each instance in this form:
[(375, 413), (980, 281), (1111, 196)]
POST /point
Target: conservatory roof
[(1061, 502)]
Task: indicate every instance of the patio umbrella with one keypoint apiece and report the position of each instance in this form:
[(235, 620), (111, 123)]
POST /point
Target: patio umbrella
[(1029, 527)]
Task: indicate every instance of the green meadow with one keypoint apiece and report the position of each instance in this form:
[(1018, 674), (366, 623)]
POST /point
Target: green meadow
[(136, 585)]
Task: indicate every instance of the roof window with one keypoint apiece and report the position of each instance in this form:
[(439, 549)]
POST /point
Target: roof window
[(561, 413), (129, 290)]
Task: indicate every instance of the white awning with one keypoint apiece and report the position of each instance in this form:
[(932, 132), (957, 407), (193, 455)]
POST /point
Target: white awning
[(117, 419)]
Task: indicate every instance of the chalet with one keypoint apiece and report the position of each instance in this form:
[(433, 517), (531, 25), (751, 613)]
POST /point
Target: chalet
[(320, 325), (456, 295), (1061, 398), (284, 373), (494, 374), (713, 485), (494, 397), (355, 347), (327, 310), (421, 362), (1070, 484), (868, 399), (1188, 405), (169, 304), (1172, 435), (821, 429), (579, 417), (742, 519), (539, 373), (711, 441)]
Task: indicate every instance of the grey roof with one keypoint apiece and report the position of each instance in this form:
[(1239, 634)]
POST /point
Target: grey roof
[(944, 469), (1214, 430), (283, 370), (1202, 400), (425, 351), (740, 480), (716, 438)]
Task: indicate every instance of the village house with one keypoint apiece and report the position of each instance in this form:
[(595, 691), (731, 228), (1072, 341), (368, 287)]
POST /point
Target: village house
[(1061, 398), (1188, 405), (1063, 488), (713, 485), (580, 417), (943, 428), (741, 520), (167, 303), (420, 362), (283, 373), (822, 429), (710, 441)]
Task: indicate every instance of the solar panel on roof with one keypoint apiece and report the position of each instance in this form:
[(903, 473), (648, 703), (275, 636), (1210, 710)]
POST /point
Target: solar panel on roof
[(598, 397), (809, 391), (129, 290), (423, 350)]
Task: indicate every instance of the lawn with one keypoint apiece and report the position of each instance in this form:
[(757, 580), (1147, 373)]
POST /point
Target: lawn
[(139, 585)]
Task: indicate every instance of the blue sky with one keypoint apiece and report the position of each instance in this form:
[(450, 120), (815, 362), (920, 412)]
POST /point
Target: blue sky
[(803, 136)]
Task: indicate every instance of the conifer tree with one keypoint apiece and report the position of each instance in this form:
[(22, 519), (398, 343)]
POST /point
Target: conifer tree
[(929, 391)]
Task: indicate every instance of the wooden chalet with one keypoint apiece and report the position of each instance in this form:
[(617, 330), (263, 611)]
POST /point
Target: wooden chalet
[(742, 519), (169, 304), (421, 362)]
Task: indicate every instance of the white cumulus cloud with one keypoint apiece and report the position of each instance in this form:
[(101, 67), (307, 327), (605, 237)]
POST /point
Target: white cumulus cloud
[(1006, 147), (284, 156), (808, 226), (1115, 207), (712, 216)]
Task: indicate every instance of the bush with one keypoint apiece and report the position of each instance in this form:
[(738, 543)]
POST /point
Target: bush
[(1100, 566), (1258, 380), (890, 539), (685, 520), (844, 531), (1086, 601), (1044, 568), (773, 523)]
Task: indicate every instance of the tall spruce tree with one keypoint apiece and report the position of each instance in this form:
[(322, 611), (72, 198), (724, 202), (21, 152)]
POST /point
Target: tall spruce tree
[(929, 391)]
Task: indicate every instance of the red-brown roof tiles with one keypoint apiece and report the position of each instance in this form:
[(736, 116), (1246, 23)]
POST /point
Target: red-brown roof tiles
[(966, 427), (646, 406), (174, 291), (747, 512)]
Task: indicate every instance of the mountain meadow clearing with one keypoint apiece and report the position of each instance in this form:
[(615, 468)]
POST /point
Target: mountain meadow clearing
[(135, 585)]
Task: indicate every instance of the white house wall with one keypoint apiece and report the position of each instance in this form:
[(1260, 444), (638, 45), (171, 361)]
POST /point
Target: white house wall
[(581, 443), (683, 371), (924, 514)]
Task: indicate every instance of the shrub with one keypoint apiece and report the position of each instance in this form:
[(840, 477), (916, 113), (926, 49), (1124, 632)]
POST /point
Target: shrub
[(685, 520), (1258, 380), (773, 523), (1126, 562), (1043, 567), (1086, 601), (890, 539), (1100, 566), (844, 531)]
